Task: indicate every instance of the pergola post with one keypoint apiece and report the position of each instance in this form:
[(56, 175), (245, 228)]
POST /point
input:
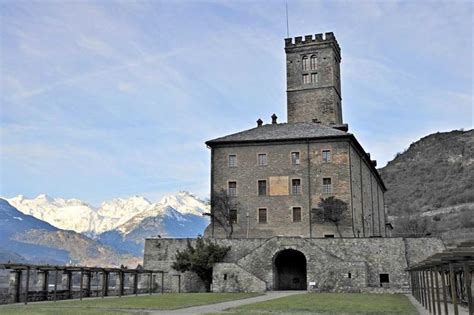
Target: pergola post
[(121, 284), (105, 283), (428, 293), (88, 283), (468, 289), (437, 289), (135, 283), (432, 291), (454, 297), (81, 285), (445, 295), (27, 286), (55, 294)]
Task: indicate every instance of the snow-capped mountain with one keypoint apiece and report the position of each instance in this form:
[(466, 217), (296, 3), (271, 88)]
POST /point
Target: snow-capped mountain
[(119, 214)]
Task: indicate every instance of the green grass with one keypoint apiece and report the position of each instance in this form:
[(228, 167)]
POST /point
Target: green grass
[(124, 305), (331, 303)]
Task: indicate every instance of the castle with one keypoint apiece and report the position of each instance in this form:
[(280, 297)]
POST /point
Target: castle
[(274, 179)]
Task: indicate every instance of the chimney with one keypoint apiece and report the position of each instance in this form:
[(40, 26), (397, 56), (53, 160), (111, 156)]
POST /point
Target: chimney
[(259, 122), (274, 119)]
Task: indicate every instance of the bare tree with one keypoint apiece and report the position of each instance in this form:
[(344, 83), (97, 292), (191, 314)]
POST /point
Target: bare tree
[(223, 211), (411, 227), (331, 210)]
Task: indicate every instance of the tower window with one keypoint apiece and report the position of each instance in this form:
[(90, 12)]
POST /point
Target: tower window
[(262, 159), (232, 191), (384, 278), (295, 158), (232, 160), (262, 215), (314, 77), (306, 79), (262, 187), (313, 62), (305, 63), (233, 216), (296, 186), (326, 155), (327, 185), (296, 214)]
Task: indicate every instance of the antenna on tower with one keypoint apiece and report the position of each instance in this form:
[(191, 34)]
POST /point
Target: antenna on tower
[(287, 24)]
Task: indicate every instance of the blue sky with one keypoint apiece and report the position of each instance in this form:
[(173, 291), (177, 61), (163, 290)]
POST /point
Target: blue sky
[(104, 99)]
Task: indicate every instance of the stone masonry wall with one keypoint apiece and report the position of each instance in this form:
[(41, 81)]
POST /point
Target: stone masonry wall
[(329, 261)]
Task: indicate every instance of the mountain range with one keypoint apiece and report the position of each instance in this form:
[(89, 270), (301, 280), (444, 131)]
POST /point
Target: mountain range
[(116, 229)]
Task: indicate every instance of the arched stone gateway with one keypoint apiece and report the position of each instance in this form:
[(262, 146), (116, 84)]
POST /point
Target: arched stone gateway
[(289, 270)]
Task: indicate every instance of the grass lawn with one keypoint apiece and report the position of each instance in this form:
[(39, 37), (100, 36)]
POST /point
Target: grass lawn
[(124, 305), (331, 303)]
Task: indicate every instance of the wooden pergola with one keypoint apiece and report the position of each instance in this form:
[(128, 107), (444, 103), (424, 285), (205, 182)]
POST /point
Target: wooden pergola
[(86, 274), (444, 277)]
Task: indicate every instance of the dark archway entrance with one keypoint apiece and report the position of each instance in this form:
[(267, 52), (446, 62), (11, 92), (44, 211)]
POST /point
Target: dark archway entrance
[(289, 270)]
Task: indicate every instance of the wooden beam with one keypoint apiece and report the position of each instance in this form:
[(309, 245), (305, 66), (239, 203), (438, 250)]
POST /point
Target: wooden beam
[(445, 295), (468, 289), (454, 297), (436, 273), (432, 291)]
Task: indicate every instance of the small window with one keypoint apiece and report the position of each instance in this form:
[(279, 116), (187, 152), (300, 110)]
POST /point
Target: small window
[(262, 159), (232, 189), (262, 215), (326, 156), (296, 214), (296, 186), (349, 275), (306, 79), (314, 77), (327, 185), (232, 160), (384, 278), (225, 276), (295, 158), (329, 235), (262, 187), (314, 62), (233, 216), (305, 63)]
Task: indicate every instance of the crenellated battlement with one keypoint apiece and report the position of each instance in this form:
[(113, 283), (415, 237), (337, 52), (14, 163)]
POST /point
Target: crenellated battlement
[(299, 41)]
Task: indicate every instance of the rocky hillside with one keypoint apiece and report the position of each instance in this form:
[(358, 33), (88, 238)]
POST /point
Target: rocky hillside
[(434, 179)]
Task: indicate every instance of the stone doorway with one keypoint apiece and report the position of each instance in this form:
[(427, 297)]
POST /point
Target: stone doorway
[(289, 270)]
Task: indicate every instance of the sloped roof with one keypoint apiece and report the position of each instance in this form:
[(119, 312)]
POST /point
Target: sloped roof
[(284, 131)]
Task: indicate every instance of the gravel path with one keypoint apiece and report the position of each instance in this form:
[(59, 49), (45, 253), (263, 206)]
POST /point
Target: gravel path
[(218, 307)]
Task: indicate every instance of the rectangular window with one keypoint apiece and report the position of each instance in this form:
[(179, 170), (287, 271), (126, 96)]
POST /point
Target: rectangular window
[(295, 158), (296, 186), (262, 215), (327, 185), (296, 214), (329, 235), (233, 216), (232, 189), (384, 278), (232, 160), (314, 77), (262, 187), (306, 79), (262, 159), (326, 156)]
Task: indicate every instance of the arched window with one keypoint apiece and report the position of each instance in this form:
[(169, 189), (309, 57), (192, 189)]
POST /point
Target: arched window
[(305, 63), (314, 62)]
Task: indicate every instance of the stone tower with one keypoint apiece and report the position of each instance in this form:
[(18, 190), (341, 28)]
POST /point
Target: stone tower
[(313, 79)]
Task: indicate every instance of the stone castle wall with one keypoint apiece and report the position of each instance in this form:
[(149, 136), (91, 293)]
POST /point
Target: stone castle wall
[(329, 262)]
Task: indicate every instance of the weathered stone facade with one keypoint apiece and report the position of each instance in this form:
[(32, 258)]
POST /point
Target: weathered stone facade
[(339, 264)]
